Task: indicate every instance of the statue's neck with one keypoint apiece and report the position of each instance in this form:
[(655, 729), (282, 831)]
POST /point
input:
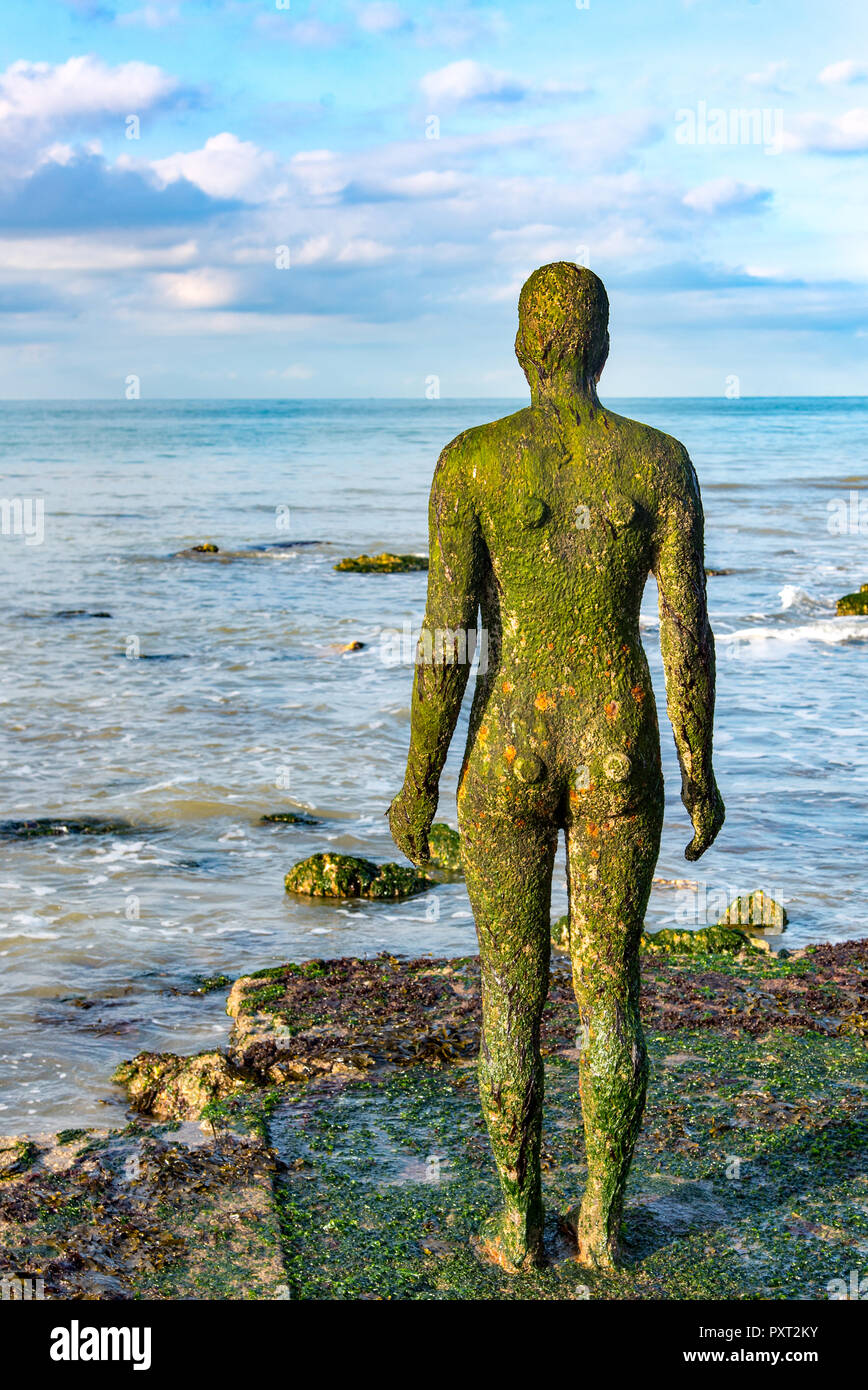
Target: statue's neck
[(568, 393)]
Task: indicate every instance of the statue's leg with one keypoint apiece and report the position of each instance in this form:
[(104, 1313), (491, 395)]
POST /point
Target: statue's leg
[(610, 865), (508, 863)]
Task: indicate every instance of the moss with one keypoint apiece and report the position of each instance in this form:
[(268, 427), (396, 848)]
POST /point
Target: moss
[(382, 564), (344, 876), (71, 1136), (854, 605)]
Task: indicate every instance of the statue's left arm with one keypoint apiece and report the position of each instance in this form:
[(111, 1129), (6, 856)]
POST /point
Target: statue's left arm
[(444, 652)]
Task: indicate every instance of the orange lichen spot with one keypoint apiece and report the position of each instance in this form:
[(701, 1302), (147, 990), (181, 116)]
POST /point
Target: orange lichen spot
[(592, 829), (508, 687), (509, 754), (638, 694), (610, 709), (544, 701), (483, 731)]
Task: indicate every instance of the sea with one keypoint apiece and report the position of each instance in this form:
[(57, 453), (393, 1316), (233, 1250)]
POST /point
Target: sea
[(179, 698)]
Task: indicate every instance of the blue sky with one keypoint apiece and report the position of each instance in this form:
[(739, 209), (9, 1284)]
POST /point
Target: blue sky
[(415, 162)]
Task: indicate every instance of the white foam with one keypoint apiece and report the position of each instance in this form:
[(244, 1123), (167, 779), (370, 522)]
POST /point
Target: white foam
[(829, 631)]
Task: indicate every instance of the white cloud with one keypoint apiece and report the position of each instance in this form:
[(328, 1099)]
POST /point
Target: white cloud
[(81, 88), (150, 16), (839, 74), (383, 18), (468, 80), (204, 288), (296, 371), (328, 250), (103, 254), (769, 77), (726, 195), (847, 134), (226, 167)]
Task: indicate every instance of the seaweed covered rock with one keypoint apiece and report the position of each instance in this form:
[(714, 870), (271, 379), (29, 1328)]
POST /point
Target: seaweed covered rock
[(444, 847), (52, 826), (345, 876), (706, 939), (206, 548), (287, 818), (382, 564), (755, 911), (854, 605), (177, 1088), (561, 933)]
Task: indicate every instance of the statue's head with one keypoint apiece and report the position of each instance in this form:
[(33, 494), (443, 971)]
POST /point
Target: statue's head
[(563, 326)]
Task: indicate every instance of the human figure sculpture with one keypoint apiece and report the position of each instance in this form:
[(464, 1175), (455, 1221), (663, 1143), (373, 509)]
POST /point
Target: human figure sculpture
[(549, 522)]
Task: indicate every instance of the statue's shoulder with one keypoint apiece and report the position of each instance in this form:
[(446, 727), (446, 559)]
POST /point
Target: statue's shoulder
[(479, 439), (481, 444), (663, 453)]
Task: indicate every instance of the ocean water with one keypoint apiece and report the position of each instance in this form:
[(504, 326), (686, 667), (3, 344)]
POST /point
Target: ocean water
[(216, 692)]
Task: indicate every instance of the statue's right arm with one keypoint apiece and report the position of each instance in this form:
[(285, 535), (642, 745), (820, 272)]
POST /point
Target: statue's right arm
[(454, 584), (687, 644)]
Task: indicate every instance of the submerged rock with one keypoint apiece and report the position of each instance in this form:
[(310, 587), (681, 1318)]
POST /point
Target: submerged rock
[(755, 912), (382, 564), (46, 826), (444, 846), (80, 613), (854, 605), (206, 548), (177, 1088), (344, 876), (287, 818)]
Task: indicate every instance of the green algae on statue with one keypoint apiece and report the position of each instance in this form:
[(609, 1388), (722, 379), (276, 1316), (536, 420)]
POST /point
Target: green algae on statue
[(548, 523)]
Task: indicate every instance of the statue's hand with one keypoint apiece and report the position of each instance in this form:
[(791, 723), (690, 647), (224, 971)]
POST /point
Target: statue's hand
[(708, 813), (410, 817)]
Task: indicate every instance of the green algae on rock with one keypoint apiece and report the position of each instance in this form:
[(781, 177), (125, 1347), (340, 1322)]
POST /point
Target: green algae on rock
[(345, 876), (704, 940), (444, 847), (177, 1088), (754, 912), (854, 605), (382, 564), (206, 548)]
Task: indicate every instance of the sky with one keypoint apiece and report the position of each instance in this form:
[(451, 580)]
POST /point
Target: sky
[(274, 198)]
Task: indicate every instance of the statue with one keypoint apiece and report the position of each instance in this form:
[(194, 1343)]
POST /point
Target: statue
[(549, 522)]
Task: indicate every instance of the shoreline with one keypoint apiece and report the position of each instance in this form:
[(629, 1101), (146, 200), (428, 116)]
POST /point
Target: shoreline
[(334, 1148)]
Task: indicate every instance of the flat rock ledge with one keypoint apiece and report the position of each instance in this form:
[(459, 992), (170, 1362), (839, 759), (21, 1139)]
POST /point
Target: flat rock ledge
[(339, 1152)]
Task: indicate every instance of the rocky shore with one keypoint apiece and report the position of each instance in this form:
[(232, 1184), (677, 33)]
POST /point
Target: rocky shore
[(334, 1148)]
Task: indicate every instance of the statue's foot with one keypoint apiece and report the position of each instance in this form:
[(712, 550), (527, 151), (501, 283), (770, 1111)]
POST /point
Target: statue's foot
[(594, 1249), (505, 1243)]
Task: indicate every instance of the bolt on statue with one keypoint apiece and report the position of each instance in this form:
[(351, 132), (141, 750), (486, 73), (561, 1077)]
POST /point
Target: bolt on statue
[(549, 522)]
